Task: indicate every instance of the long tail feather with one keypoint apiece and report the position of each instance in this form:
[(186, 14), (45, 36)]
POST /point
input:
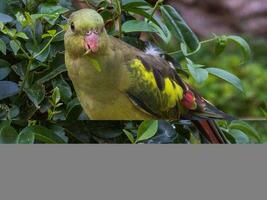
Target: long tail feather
[(211, 131)]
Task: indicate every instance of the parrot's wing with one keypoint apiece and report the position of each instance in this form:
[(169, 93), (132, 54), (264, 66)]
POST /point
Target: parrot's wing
[(156, 88)]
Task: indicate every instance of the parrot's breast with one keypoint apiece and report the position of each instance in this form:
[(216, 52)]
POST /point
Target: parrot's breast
[(102, 92)]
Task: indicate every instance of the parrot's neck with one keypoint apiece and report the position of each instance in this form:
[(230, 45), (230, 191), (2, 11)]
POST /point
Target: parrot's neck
[(99, 72)]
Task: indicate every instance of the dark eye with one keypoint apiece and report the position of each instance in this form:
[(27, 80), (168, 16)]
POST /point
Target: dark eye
[(72, 26)]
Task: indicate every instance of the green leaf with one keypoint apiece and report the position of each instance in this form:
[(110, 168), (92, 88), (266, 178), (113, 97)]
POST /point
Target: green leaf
[(21, 19), (221, 43), (232, 79), (14, 111), (22, 35), (129, 135), (56, 95), (198, 73), (64, 88), (3, 47), (4, 69), (143, 12), (44, 55), (240, 136), (50, 8), (133, 3), (74, 109), (59, 131), (8, 135), (50, 12), (4, 72), (44, 135), (243, 45), (52, 73), (26, 136), (247, 129), (162, 31), (137, 26), (146, 130), (4, 123), (52, 32), (8, 89), (1, 26), (178, 26), (36, 93), (5, 18), (229, 137), (15, 46)]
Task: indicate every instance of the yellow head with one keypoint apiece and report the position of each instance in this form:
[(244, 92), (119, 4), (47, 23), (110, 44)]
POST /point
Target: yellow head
[(86, 33)]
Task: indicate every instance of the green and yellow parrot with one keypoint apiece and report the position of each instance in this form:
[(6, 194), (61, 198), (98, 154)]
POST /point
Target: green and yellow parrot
[(115, 81)]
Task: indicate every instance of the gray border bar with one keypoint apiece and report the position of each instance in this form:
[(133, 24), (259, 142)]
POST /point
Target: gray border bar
[(131, 172)]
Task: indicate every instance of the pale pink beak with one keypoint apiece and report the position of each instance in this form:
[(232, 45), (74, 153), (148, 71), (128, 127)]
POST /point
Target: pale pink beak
[(91, 42)]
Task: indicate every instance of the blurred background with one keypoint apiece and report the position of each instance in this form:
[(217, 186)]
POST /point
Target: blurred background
[(247, 18)]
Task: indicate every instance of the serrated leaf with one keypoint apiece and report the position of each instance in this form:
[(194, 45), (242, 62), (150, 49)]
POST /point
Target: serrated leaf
[(232, 79)]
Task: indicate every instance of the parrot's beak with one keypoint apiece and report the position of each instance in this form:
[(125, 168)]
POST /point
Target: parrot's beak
[(91, 42)]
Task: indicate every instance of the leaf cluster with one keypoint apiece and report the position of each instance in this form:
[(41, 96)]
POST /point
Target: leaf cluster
[(135, 132)]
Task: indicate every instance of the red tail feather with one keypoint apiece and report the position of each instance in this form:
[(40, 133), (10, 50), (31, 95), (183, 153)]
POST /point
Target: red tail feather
[(210, 131)]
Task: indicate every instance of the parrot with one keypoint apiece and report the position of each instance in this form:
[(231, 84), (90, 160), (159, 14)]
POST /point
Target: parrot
[(116, 81)]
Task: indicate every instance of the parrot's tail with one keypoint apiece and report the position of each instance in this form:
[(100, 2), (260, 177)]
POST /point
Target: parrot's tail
[(211, 131)]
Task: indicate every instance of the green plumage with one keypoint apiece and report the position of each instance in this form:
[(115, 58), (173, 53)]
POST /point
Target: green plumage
[(120, 82)]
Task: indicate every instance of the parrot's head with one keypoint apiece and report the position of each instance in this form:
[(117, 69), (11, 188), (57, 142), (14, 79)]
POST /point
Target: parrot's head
[(86, 33)]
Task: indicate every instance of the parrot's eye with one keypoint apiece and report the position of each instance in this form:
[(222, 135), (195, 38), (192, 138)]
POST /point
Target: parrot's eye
[(72, 26)]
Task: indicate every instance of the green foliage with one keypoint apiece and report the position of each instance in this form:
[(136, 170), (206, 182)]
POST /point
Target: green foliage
[(252, 103), (32, 38), (146, 130), (34, 84), (21, 133), (149, 132), (32, 61)]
